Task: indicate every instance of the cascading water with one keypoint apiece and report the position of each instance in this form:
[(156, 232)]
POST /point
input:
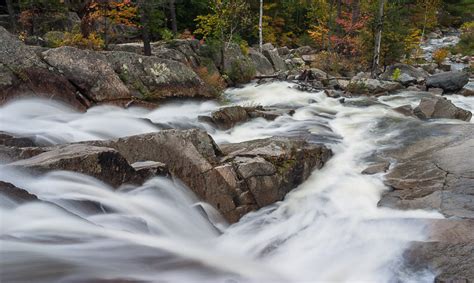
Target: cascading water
[(329, 229)]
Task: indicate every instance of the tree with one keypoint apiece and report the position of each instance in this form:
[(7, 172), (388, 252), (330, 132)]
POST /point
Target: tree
[(110, 13), (11, 14), (174, 23), (145, 26), (260, 27), (378, 40), (223, 23)]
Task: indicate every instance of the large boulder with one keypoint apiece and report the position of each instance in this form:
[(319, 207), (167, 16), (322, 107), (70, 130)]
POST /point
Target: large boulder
[(270, 168), (245, 177), (372, 86), (23, 73), (440, 107), (89, 72), (150, 77), (238, 67), (448, 81), (262, 65), (105, 164), (408, 73), (274, 58)]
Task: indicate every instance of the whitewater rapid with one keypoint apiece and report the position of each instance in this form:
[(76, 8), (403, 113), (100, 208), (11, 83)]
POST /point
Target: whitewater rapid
[(329, 229)]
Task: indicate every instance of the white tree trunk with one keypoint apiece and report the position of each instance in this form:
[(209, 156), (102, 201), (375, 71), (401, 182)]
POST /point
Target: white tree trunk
[(378, 40), (260, 27)]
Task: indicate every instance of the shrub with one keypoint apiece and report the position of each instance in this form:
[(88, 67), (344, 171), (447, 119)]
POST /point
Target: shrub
[(466, 43), (439, 55), (336, 64), (241, 71), (92, 41), (396, 74), (166, 34), (212, 79)]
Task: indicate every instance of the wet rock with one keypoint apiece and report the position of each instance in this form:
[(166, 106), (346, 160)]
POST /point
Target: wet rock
[(191, 156), (8, 139), (89, 71), (448, 250), (440, 107), (406, 110), (467, 90), (106, 164), (272, 167), (16, 194), (333, 93), (262, 65), (13, 153), (227, 117), (154, 78), (148, 169), (376, 168), (448, 81), (248, 176), (436, 91), (433, 170)]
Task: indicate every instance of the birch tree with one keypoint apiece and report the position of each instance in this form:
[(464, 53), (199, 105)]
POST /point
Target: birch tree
[(378, 39)]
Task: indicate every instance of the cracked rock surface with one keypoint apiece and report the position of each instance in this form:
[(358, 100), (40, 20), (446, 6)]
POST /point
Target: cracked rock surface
[(435, 171)]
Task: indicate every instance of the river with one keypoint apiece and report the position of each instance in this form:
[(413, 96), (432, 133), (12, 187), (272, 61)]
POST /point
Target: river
[(329, 229)]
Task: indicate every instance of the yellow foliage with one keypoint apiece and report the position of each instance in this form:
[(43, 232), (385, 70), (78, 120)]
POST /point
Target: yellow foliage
[(92, 41), (412, 43), (439, 55), (319, 34), (213, 80)]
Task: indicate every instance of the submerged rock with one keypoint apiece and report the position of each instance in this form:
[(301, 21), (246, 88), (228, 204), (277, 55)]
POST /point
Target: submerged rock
[(105, 164), (16, 194)]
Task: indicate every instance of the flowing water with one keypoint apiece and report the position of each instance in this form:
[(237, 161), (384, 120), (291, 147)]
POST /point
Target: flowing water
[(329, 229)]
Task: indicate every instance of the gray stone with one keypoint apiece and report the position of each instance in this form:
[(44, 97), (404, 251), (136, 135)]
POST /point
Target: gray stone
[(89, 71), (155, 78), (262, 65), (275, 59), (448, 81), (432, 107)]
